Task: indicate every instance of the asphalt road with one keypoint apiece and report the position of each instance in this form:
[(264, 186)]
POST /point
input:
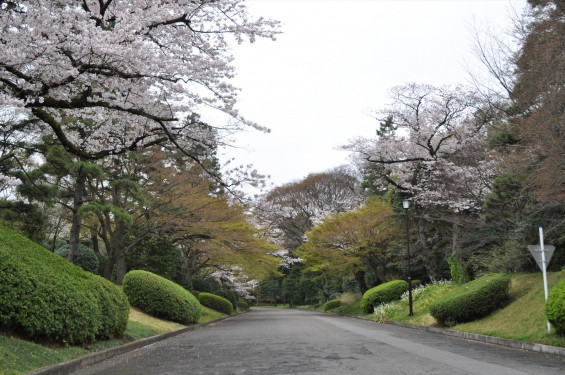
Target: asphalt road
[(281, 341)]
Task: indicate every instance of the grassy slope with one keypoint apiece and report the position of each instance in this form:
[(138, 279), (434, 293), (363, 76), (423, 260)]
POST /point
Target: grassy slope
[(523, 319), (17, 356)]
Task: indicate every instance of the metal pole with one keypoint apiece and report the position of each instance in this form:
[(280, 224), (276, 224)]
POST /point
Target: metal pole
[(545, 288), (409, 270)]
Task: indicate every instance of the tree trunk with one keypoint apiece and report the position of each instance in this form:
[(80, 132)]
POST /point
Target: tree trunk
[(429, 257), (456, 250), (360, 278), (56, 232), (119, 250), (94, 240), (74, 241), (109, 266), (120, 267)]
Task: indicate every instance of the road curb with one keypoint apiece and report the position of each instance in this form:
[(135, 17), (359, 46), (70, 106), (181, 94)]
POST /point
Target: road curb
[(75, 364), (539, 348)]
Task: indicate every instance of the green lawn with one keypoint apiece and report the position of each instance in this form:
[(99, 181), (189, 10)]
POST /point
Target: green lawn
[(17, 356)]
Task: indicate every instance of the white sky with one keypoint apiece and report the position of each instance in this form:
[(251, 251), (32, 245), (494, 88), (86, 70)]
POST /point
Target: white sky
[(316, 86)]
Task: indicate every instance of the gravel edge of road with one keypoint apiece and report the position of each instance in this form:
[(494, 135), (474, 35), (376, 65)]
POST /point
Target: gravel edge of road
[(75, 364)]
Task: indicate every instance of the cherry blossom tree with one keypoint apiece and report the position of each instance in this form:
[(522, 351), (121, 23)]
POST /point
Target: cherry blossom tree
[(293, 209), (430, 147), (108, 76), (351, 243)]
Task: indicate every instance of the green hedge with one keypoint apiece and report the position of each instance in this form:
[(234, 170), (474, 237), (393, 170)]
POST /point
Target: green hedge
[(160, 297), (472, 301), (43, 296), (86, 257), (242, 305), (555, 307), (331, 304), (216, 302), (383, 293)]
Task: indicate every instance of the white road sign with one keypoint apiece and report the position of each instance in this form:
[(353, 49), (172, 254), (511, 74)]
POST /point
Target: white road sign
[(535, 250)]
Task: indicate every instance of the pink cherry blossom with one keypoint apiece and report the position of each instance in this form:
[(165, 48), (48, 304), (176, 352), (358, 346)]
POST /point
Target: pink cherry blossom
[(109, 75)]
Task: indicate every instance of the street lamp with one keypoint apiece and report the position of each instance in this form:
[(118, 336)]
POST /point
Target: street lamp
[(406, 205)]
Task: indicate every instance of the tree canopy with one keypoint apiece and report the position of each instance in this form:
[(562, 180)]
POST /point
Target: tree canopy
[(109, 76)]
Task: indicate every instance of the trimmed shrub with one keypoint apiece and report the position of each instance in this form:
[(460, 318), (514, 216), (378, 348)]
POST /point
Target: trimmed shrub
[(44, 297), (229, 295), (216, 302), (114, 306), (472, 301), (160, 297), (87, 258), (242, 305), (555, 307), (331, 304), (383, 293)]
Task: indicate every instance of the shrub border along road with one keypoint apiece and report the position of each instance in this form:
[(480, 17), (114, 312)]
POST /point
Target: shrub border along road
[(67, 367)]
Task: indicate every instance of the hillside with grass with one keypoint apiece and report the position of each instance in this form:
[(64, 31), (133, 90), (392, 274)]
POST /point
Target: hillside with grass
[(522, 319)]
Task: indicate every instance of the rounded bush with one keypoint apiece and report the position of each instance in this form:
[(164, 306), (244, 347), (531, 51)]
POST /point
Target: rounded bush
[(555, 307), (44, 297), (160, 297), (331, 304), (472, 301), (242, 305), (383, 293), (216, 302), (87, 259)]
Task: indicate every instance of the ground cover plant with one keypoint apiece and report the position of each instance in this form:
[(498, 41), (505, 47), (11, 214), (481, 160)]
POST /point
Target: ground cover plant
[(44, 297), (423, 296), (160, 297)]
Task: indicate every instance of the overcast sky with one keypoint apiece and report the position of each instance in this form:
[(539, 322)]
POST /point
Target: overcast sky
[(316, 86)]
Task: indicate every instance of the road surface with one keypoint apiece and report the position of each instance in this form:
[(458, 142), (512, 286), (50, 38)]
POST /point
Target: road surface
[(282, 341)]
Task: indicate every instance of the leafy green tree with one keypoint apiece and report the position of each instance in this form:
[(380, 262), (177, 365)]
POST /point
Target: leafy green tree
[(157, 255), (25, 218), (349, 243), (270, 289), (61, 178)]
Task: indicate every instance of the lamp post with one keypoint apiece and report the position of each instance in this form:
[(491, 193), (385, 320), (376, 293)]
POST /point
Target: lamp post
[(406, 205)]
